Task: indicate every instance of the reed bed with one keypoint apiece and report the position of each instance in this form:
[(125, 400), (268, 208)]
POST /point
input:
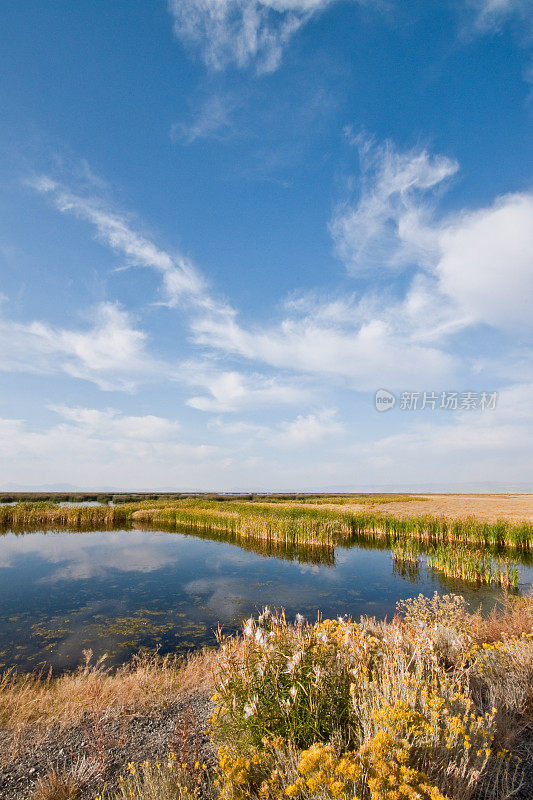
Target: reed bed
[(320, 525), (431, 530), (317, 554), (47, 515), (474, 566), (283, 524), (480, 567)]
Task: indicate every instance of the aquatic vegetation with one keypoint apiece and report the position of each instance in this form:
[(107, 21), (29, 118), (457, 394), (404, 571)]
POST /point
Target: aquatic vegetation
[(280, 523), (43, 515), (474, 566), (406, 560)]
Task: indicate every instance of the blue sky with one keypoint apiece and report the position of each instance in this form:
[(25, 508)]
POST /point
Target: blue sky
[(225, 224)]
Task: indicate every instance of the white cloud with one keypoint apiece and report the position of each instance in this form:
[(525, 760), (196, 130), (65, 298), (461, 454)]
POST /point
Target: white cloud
[(180, 277), (388, 226), (466, 268), (310, 429), (112, 423), (213, 120), (232, 391), (304, 430), (486, 262), (240, 32), (110, 352), (95, 447), (362, 352), (473, 266), (368, 342)]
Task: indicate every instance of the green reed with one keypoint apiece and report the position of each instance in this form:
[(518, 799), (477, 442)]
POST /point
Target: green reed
[(406, 560), (474, 566), (46, 514), (284, 523), (442, 530)]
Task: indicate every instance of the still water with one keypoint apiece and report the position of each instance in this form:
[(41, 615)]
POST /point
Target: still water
[(119, 591)]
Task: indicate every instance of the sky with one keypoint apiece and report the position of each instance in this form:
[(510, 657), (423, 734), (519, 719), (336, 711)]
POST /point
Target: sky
[(225, 225)]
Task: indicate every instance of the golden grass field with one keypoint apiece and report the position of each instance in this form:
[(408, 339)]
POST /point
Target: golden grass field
[(489, 507)]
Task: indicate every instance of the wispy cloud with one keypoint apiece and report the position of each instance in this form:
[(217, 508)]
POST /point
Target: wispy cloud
[(464, 269), (212, 120), (388, 223), (180, 277), (234, 391), (242, 32), (356, 352), (492, 14), (110, 351)]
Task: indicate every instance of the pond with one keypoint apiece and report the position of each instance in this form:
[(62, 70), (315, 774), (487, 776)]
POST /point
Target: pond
[(116, 592)]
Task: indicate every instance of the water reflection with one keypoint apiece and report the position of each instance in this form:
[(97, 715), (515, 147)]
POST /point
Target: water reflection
[(118, 591)]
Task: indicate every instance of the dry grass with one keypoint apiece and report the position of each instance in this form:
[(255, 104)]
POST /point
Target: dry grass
[(514, 618), (143, 685), (56, 786), (66, 784)]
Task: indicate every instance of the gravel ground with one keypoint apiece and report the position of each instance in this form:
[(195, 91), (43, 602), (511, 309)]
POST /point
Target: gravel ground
[(109, 746), (106, 745)]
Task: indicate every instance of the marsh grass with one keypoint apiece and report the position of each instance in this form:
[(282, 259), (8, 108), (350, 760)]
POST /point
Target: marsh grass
[(406, 560), (44, 515), (474, 566), (282, 524), (299, 525)]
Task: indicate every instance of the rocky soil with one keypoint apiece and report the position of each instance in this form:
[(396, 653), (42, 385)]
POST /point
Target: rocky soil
[(100, 749)]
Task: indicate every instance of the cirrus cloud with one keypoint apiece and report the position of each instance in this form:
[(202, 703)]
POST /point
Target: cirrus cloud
[(241, 32)]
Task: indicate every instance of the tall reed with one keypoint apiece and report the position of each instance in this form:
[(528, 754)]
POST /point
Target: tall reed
[(474, 566), (284, 524)]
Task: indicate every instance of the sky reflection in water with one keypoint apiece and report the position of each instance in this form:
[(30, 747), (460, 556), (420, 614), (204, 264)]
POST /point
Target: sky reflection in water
[(118, 591)]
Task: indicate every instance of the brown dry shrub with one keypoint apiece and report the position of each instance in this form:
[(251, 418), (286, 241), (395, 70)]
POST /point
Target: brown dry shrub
[(513, 618)]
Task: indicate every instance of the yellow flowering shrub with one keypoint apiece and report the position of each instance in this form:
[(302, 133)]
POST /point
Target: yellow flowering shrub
[(501, 676), (369, 711), (164, 778)]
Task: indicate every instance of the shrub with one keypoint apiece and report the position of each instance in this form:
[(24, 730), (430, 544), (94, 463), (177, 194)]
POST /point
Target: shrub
[(364, 710)]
